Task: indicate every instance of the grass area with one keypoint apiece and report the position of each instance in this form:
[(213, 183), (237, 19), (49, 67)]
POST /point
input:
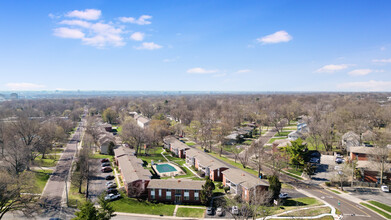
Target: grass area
[(102, 156), (41, 178), (248, 142), (56, 151), (238, 165), (74, 197), (190, 212), (373, 208), (381, 205), (153, 155), (131, 205), (48, 161), (335, 191), (297, 172), (190, 143), (322, 218), (302, 201), (283, 133), (286, 186), (308, 212), (292, 175), (273, 139)]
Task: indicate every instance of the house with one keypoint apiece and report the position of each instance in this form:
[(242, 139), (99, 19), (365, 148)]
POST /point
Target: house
[(243, 184), (239, 133), (104, 141), (175, 191), (294, 135), (142, 121), (209, 165), (367, 163), (350, 139), (302, 127), (134, 176), (176, 146)]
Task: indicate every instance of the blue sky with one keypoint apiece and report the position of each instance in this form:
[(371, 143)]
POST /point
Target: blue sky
[(196, 45)]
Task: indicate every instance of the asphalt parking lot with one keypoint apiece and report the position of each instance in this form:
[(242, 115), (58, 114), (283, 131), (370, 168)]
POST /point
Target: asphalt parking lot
[(98, 181), (366, 194)]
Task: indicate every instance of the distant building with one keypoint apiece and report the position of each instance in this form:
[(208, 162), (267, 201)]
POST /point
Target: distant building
[(142, 121), (2, 98), (14, 96), (176, 146)]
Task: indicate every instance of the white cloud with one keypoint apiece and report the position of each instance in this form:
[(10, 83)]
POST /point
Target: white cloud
[(382, 61), (137, 36), (170, 60), (360, 72), (243, 71), (278, 37), (142, 20), (24, 86), (88, 14), (220, 75), (68, 33), (149, 46), (371, 85), (84, 24), (332, 68), (199, 70)]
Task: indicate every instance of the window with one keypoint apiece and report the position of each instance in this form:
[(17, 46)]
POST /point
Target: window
[(196, 195), (178, 192), (160, 192), (168, 194), (152, 193), (186, 195)]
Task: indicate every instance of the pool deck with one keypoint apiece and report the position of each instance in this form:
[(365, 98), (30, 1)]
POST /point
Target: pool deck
[(178, 170)]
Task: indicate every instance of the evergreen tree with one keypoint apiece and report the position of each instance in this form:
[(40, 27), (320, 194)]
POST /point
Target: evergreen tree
[(275, 186), (296, 152), (87, 212), (207, 191), (106, 210)]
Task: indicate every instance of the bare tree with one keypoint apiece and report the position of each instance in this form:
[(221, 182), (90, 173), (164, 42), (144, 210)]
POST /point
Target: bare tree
[(381, 153), (133, 135)]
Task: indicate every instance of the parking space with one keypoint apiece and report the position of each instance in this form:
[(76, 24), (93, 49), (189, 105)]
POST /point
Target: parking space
[(98, 182)]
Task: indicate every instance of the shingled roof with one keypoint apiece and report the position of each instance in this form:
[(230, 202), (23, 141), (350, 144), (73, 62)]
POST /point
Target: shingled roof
[(176, 184), (246, 180), (131, 166)]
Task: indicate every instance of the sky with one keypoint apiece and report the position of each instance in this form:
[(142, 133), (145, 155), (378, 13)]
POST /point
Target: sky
[(204, 45)]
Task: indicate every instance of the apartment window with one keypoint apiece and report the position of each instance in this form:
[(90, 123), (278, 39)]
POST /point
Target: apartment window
[(168, 194), (178, 192), (160, 192), (186, 195), (152, 193), (196, 195)]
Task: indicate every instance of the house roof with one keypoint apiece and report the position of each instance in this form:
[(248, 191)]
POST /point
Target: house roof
[(176, 184), (142, 119), (205, 160), (104, 138), (373, 166), (131, 166), (242, 178), (175, 143), (282, 143)]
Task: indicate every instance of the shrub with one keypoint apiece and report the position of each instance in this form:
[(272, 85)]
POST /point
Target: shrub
[(328, 184)]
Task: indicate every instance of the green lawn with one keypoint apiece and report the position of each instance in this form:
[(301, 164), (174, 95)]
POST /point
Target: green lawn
[(74, 198), (302, 201), (376, 210), (190, 212), (49, 161), (381, 205), (41, 178), (131, 205), (322, 218), (102, 156), (238, 165), (190, 143), (248, 142), (335, 191), (273, 139), (297, 172), (283, 133), (308, 212)]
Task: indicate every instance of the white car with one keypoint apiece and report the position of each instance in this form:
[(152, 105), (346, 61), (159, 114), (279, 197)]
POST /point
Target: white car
[(283, 195), (385, 189), (235, 210), (219, 211), (112, 197)]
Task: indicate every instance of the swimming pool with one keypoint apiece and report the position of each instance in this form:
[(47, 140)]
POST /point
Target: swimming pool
[(165, 168)]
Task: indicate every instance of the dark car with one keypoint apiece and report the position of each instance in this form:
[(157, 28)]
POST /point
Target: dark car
[(112, 191), (104, 160), (209, 211), (107, 164), (109, 177), (106, 169)]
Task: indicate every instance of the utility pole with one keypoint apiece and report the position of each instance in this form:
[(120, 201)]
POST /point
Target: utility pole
[(66, 188)]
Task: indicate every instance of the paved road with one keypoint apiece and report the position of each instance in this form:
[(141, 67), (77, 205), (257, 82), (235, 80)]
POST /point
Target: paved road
[(53, 193), (366, 193)]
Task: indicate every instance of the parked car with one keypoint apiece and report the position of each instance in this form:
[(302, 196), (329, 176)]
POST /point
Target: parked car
[(106, 169), (112, 197), (107, 164), (104, 160), (109, 177), (112, 191), (220, 211), (235, 210), (283, 195), (314, 160), (111, 185), (209, 211), (385, 189), (339, 160)]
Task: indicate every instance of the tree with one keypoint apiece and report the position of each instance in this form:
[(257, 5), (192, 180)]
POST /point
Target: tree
[(275, 186), (309, 169), (106, 210), (111, 148), (381, 152), (207, 191), (110, 116), (87, 211), (133, 135), (296, 152), (11, 188)]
